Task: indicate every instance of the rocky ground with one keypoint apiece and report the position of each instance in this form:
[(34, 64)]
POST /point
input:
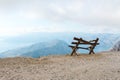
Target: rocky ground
[(101, 66)]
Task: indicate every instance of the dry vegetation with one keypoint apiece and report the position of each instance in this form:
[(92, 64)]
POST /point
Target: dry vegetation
[(102, 66)]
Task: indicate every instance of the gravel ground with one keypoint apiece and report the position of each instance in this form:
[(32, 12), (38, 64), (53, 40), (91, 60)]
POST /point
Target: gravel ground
[(101, 66)]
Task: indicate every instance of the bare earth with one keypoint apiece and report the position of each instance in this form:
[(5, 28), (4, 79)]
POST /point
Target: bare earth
[(101, 66)]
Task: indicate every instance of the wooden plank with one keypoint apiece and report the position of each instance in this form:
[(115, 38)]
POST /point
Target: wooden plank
[(83, 48), (92, 40), (75, 38), (78, 47), (75, 43), (73, 47), (86, 43), (89, 43)]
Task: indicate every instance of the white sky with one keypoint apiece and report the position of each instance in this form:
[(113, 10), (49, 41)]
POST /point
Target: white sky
[(24, 16)]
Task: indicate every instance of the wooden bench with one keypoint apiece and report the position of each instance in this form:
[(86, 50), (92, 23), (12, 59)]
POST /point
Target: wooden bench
[(79, 41)]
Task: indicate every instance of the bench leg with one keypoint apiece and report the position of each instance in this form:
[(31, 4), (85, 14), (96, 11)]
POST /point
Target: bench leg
[(91, 51), (74, 51)]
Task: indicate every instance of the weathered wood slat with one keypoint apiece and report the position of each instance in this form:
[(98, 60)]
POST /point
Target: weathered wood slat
[(89, 43), (84, 43), (84, 48), (75, 38), (74, 47), (75, 43), (78, 47), (92, 40)]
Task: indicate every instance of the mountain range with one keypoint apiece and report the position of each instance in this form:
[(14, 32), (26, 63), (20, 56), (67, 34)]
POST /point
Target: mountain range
[(40, 49), (43, 44)]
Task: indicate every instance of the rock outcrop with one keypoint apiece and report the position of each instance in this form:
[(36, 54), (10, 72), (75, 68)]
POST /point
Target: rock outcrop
[(116, 47)]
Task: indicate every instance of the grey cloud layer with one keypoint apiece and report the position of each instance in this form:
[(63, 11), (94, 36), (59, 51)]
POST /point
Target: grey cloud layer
[(104, 13)]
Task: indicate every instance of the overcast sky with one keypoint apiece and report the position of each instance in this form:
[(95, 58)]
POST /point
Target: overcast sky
[(91, 16)]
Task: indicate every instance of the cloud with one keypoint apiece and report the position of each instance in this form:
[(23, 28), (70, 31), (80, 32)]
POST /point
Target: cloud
[(95, 13), (60, 15)]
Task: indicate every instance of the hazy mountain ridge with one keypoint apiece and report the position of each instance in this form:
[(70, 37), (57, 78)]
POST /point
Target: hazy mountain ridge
[(40, 49), (55, 43)]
